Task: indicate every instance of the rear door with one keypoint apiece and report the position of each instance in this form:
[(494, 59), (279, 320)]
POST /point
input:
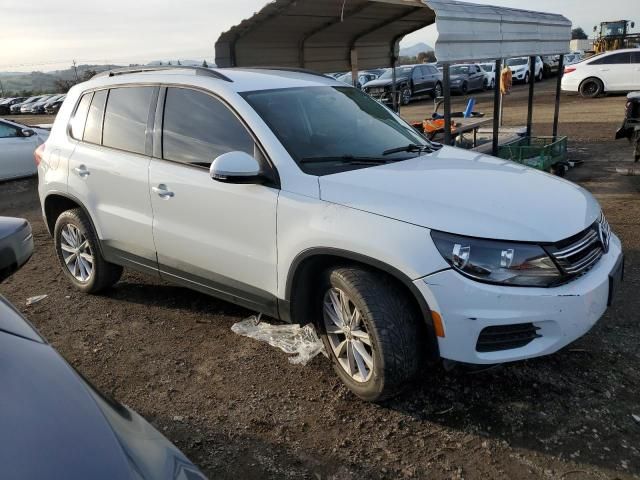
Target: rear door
[(219, 238), (109, 169), (16, 152), (419, 80), (615, 70), (476, 77)]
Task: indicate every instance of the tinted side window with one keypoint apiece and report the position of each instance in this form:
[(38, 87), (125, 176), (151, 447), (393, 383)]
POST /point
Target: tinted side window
[(8, 131), (635, 57), (432, 70), (197, 128), (125, 119), (93, 127), (615, 59), (417, 73), (77, 122)]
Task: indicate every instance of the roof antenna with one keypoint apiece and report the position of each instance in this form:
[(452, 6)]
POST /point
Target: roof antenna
[(342, 11)]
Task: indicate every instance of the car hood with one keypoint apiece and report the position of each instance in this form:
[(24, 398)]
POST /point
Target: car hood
[(459, 191), (384, 82), (56, 425)]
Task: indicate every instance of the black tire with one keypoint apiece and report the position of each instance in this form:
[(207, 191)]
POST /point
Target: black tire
[(591, 88), (393, 327), (464, 88), (405, 96), (437, 91), (104, 274), (526, 78), (540, 76)]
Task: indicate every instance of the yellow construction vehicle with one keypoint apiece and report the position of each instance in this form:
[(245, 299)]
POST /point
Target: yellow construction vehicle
[(615, 35)]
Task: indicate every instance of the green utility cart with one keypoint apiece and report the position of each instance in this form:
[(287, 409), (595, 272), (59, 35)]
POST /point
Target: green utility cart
[(544, 153)]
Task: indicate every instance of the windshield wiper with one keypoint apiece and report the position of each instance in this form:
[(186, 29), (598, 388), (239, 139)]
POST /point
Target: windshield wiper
[(414, 148), (350, 159)]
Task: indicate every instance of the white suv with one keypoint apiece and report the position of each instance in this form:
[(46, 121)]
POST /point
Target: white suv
[(295, 195)]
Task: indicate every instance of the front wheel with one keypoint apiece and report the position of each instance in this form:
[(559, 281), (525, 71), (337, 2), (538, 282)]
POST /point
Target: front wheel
[(526, 78), (371, 332), (464, 88), (79, 254), (437, 90), (405, 96), (540, 76)]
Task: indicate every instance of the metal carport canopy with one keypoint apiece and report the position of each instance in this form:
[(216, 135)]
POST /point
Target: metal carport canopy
[(326, 35)]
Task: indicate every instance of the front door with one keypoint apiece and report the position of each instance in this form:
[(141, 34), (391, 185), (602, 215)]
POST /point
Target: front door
[(219, 238)]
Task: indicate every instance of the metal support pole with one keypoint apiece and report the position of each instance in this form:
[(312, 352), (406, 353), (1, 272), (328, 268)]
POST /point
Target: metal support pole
[(446, 78), (556, 115), (394, 98), (532, 82), (497, 105), (354, 67)]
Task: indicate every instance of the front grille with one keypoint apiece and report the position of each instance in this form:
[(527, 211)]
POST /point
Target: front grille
[(576, 255), (506, 337)]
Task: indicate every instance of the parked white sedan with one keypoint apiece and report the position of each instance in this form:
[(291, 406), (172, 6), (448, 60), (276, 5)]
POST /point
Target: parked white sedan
[(17, 144), (617, 71)]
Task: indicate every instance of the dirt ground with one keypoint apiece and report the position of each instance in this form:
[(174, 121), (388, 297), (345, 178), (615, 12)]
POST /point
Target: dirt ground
[(239, 410)]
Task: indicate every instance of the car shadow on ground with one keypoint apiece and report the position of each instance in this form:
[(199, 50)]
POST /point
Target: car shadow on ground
[(530, 405)]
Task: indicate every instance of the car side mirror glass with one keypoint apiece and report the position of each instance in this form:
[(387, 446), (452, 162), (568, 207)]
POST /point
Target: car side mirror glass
[(236, 167), (27, 132)]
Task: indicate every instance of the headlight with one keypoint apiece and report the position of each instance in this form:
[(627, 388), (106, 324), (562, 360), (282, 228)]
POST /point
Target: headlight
[(506, 263)]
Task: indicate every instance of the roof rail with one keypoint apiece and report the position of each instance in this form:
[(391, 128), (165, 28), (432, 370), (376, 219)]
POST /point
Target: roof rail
[(198, 71), (290, 69)]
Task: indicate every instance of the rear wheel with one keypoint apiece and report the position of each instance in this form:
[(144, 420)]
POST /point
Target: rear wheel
[(79, 253), (370, 331), (591, 88)]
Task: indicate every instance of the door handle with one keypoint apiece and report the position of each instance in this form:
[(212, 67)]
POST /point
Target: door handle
[(162, 191), (82, 171)]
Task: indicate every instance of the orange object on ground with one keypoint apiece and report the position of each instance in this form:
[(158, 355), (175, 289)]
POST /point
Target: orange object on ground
[(436, 125)]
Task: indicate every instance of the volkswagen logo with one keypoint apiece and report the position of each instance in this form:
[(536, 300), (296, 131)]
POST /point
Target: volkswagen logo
[(604, 234)]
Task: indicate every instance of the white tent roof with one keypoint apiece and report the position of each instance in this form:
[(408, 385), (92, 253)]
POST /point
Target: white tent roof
[(324, 35)]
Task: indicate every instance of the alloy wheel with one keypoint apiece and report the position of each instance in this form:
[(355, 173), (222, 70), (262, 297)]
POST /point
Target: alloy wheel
[(438, 90), (76, 252), (406, 96), (348, 335)]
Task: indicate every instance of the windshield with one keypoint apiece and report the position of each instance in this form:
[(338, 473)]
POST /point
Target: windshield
[(322, 127), (400, 72), (460, 70), (517, 61)]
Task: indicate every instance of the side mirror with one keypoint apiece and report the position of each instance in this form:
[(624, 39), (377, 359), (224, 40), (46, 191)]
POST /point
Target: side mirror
[(236, 167), (16, 245), (27, 132)]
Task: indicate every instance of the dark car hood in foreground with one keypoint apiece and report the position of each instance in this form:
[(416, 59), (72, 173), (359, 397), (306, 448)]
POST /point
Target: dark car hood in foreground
[(384, 82), (54, 424)]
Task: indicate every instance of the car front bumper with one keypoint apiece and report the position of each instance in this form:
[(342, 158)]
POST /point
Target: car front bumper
[(561, 314)]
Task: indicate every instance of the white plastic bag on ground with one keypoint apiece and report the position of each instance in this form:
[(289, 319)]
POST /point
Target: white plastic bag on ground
[(302, 342), (36, 299)]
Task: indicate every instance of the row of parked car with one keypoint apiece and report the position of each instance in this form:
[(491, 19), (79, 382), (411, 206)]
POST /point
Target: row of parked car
[(416, 81), (34, 105)]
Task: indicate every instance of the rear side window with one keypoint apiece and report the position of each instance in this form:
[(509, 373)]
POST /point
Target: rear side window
[(79, 118), (615, 59), (198, 127), (93, 126), (126, 117)]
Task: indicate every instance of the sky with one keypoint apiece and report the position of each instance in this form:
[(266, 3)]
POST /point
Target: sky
[(47, 35)]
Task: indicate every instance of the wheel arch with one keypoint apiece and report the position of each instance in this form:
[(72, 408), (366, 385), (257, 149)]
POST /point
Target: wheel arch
[(57, 202), (308, 264)]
